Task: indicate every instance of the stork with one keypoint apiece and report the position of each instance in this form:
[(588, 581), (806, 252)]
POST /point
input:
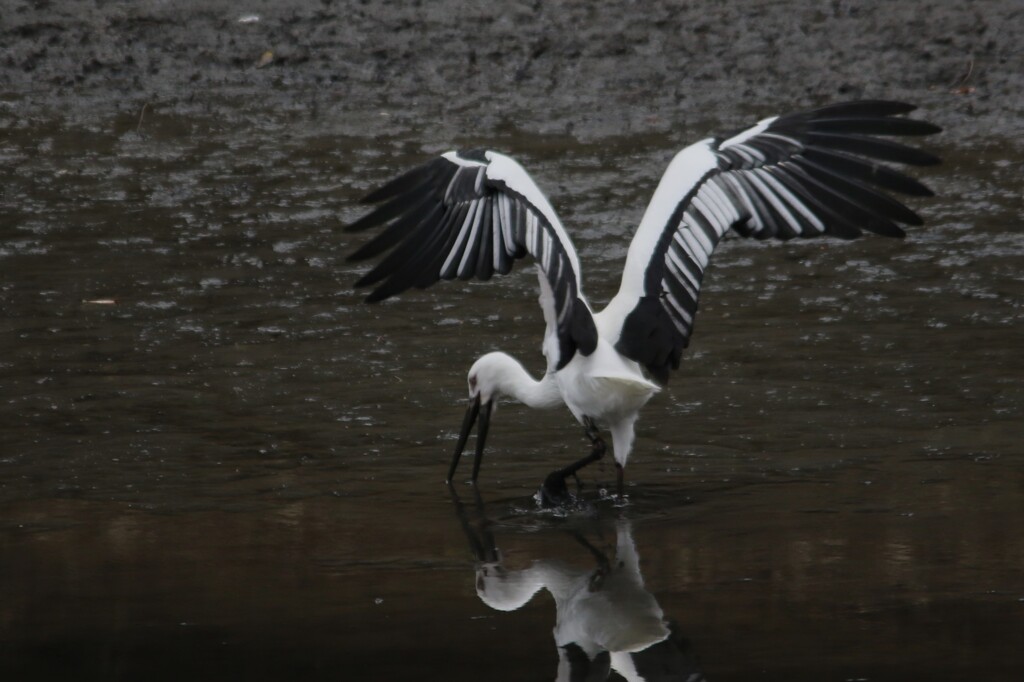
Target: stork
[(473, 213)]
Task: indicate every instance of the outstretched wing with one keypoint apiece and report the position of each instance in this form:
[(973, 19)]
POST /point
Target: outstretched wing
[(803, 175), (473, 214)]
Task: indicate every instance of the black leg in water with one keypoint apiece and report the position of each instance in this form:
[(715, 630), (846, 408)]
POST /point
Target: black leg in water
[(554, 491)]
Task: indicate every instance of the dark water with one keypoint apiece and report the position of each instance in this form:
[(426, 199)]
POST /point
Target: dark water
[(217, 462)]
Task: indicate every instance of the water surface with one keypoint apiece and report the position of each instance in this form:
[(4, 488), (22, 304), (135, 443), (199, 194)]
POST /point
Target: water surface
[(216, 461)]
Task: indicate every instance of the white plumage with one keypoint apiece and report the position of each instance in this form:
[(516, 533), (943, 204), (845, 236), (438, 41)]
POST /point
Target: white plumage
[(473, 213)]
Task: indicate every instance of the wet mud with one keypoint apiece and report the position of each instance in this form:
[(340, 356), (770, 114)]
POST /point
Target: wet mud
[(584, 69)]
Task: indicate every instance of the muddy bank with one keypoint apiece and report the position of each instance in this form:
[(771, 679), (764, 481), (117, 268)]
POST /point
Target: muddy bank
[(456, 67)]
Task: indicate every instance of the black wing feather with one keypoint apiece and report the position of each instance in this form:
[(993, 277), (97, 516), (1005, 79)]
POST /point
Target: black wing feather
[(883, 150), (866, 171)]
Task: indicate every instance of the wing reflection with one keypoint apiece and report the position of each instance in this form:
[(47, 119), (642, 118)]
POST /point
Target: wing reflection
[(605, 620)]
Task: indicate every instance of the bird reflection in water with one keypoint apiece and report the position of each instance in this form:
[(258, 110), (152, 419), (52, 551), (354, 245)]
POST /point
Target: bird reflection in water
[(605, 620)]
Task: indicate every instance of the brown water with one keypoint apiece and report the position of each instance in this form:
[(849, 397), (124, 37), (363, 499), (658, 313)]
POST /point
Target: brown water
[(216, 462)]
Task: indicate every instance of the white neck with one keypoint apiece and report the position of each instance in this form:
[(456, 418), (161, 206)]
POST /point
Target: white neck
[(501, 374)]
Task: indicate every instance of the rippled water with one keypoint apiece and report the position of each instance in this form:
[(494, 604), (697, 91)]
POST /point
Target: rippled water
[(217, 461)]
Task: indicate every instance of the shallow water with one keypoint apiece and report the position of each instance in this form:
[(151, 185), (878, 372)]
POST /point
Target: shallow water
[(217, 461)]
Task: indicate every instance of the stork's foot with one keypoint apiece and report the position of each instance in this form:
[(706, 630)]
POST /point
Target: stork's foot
[(554, 492)]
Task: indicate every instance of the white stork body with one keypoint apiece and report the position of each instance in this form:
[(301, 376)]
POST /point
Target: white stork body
[(603, 386), (473, 213), (610, 390)]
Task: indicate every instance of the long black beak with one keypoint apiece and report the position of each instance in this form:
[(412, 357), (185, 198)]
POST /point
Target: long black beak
[(472, 413), (481, 539)]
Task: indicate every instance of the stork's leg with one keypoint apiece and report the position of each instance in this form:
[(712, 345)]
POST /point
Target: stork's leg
[(598, 448), (554, 490)]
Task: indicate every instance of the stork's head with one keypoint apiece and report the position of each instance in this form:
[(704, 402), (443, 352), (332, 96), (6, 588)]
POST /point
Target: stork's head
[(491, 376), (504, 590), (494, 375)]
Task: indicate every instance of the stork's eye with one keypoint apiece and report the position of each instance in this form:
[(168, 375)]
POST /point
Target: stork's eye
[(472, 383)]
